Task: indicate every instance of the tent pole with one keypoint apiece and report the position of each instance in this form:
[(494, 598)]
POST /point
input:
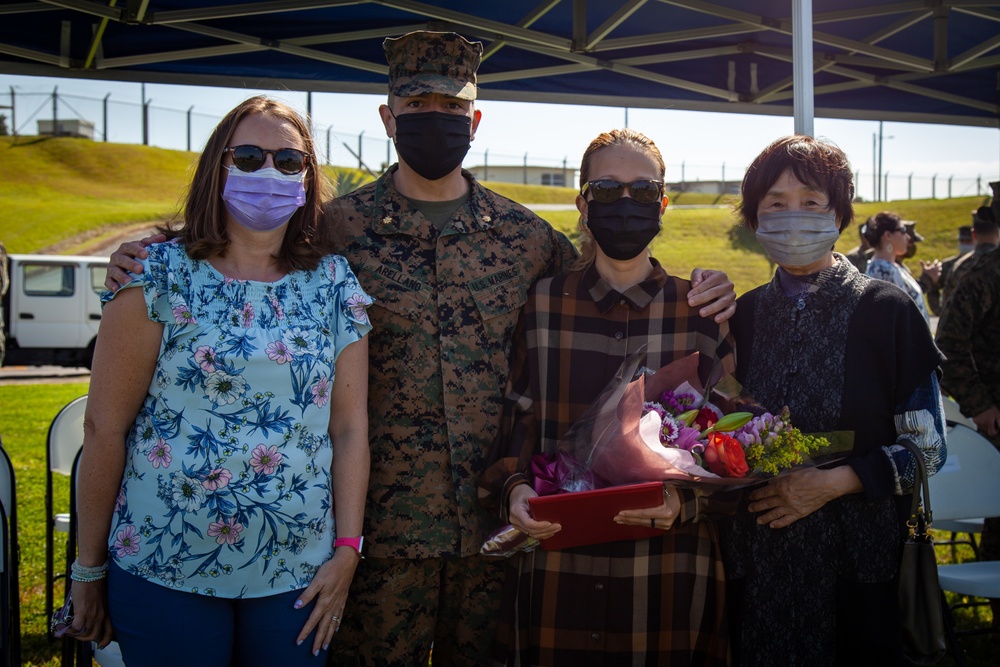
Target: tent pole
[(802, 66)]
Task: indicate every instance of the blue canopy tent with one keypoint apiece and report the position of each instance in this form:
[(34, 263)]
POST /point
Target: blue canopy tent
[(930, 61)]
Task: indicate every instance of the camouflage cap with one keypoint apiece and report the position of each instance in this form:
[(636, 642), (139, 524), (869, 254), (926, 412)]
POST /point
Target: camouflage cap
[(911, 230), (433, 62)]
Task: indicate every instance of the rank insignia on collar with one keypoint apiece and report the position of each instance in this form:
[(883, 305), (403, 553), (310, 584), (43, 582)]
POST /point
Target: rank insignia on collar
[(386, 220), (487, 218)]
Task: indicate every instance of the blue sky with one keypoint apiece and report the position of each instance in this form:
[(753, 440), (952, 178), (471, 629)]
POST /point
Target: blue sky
[(708, 145)]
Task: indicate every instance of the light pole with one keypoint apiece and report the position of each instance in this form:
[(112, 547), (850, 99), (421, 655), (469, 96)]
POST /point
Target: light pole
[(880, 138)]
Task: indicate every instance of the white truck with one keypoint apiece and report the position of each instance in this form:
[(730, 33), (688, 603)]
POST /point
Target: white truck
[(52, 309)]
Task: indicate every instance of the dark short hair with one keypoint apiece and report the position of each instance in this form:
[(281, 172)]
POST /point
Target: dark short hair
[(819, 164), (203, 230), (881, 223), (986, 226)]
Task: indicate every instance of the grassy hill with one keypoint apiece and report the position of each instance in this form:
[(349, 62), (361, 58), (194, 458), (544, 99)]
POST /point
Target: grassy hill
[(58, 194)]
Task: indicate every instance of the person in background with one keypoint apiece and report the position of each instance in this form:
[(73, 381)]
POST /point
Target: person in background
[(888, 236), (931, 286), (860, 254), (812, 556), (930, 271), (968, 335), (449, 263), (625, 597), (985, 239), (225, 455)]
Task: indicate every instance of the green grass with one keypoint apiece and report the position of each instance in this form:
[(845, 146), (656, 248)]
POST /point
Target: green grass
[(26, 412)]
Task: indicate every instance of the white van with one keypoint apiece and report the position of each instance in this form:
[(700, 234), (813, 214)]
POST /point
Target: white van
[(52, 309)]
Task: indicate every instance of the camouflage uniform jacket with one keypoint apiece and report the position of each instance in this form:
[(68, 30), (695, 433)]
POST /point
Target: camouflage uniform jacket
[(963, 265), (446, 306), (968, 333)]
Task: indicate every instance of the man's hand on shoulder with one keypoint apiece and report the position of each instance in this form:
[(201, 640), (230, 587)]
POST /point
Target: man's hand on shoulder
[(714, 291), (124, 259)]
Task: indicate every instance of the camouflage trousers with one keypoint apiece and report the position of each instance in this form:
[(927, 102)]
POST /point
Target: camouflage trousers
[(398, 609)]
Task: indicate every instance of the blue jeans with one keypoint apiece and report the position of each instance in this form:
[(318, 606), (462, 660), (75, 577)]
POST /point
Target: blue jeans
[(156, 625)]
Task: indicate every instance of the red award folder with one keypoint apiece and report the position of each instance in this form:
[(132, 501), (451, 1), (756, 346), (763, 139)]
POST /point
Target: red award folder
[(587, 517)]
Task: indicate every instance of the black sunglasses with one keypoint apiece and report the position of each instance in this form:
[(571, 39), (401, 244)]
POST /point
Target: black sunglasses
[(251, 158), (606, 190)]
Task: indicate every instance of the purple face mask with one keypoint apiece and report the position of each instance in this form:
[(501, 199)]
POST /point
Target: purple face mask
[(265, 199)]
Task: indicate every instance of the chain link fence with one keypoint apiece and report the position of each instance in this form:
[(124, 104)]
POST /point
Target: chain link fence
[(116, 121)]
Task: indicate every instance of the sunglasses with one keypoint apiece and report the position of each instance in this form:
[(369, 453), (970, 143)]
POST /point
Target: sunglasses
[(251, 158), (606, 190)]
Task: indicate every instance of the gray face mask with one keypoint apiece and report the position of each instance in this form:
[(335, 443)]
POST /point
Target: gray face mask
[(797, 238)]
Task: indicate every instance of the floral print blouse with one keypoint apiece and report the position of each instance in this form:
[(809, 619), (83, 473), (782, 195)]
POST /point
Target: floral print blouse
[(901, 278), (227, 488)]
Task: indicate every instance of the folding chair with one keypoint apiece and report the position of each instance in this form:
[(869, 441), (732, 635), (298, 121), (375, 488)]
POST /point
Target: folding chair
[(953, 413), (10, 599), (967, 487), (64, 443), (957, 527)]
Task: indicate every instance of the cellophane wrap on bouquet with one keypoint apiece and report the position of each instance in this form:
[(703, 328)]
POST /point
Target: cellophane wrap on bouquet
[(665, 426)]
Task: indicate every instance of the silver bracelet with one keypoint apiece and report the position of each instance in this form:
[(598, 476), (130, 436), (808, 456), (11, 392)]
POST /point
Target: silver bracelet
[(85, 574)]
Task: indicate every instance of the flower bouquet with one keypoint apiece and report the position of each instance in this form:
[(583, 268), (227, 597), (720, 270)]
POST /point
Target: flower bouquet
[(665, 426)]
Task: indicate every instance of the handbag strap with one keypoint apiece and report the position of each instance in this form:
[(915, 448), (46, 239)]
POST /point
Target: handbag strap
[(920, 485)]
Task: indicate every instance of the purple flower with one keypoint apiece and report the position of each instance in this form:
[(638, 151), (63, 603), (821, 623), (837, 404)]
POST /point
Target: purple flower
[(126, 542), (357, 304), (160, 455), (204, 356), (183, 314), (687, 438), (671, 429), (321, 392), (279, 312), (225, 532), (247, 315), (279, 352), (265, 459), (217, 479)]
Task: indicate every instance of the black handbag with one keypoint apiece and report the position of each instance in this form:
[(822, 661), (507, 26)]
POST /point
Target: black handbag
[(920, 602)]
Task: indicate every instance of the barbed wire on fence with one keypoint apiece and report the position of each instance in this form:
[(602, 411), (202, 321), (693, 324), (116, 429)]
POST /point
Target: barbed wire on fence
[(115, 121)]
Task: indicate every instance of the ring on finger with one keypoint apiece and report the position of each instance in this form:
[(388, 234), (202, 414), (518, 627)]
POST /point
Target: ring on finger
[(335, 618)]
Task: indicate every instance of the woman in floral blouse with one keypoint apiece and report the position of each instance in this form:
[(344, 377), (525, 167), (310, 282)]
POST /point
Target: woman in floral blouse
[(886, 233), (225, 443)]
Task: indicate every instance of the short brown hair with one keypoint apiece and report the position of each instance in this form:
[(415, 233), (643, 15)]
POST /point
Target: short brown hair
[(819, 164), (203, 230), (625, 138)]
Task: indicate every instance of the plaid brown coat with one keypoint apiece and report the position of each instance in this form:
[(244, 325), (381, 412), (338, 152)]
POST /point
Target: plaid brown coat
[(645, 602)]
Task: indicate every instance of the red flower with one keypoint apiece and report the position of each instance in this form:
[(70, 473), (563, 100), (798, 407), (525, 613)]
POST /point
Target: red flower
[(706, 418), (724, 456)]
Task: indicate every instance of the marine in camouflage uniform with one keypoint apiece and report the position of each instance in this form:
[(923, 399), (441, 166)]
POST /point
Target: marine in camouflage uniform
[(448, 299), (968, 335)]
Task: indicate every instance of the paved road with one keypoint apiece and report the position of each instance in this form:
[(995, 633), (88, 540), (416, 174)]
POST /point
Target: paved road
[(42, 374)]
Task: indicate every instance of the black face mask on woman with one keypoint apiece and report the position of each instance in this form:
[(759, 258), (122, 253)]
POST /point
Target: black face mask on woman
[(432, 143), (624, 227)]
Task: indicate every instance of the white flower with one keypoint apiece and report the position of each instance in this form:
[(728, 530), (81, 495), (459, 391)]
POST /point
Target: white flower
[(224, 388), (188, 493), (146, 436), (299, 341)]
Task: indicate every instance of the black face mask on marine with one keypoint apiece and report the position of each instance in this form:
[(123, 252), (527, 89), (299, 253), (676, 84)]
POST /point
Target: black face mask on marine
[(624, 227), (432, 143)]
